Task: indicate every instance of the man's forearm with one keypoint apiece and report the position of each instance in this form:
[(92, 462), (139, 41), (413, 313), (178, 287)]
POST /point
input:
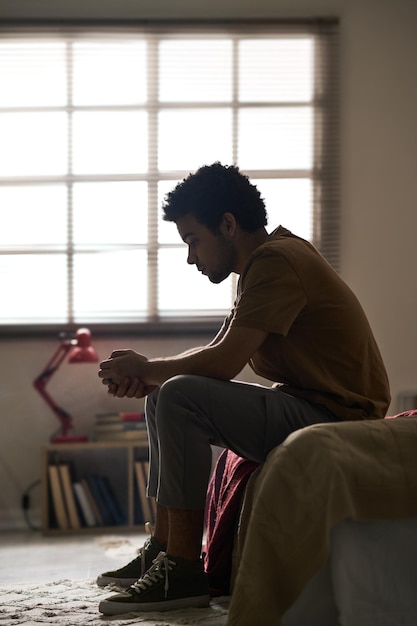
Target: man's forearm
[(204, 361), (167, 367)]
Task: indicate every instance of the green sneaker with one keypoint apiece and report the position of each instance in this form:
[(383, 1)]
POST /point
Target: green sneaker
[(171, 583), (129, 574)]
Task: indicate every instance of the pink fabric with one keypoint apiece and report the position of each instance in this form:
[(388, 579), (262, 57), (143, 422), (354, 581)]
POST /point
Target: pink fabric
[(224, 496), (405, 414)]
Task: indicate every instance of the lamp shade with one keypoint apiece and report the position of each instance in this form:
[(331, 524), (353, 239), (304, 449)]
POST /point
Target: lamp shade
[(82, 352)]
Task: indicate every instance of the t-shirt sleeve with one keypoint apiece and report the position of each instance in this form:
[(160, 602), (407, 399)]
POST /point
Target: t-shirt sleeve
[(271, 295)]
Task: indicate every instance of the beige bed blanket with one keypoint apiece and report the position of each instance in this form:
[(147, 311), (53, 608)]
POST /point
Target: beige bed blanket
[(319, 476)]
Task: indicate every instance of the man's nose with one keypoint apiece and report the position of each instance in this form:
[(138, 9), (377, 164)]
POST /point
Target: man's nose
[(191, 260)]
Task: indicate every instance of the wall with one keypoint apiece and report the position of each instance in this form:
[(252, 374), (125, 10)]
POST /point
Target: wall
[(379, 180), (379, 213)]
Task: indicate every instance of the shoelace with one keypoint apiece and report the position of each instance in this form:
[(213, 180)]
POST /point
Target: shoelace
[(141, 557), (159, 570), (142, 551)]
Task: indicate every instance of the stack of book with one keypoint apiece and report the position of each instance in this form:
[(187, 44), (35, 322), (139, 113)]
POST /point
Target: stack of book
[(87, 502), (122, 426)]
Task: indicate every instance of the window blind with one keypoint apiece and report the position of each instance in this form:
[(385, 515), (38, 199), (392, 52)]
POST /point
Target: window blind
[(98, 124)]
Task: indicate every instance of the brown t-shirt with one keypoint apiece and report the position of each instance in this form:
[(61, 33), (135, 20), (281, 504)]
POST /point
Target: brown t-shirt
[(319, 345)]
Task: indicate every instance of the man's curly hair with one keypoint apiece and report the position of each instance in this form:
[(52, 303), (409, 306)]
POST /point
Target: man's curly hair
[(212, 191)]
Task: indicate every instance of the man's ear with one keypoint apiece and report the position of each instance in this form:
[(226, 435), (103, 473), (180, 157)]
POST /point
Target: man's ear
[(228, 225)]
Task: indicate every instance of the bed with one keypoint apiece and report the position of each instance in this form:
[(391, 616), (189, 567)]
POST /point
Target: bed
[(327, 532)]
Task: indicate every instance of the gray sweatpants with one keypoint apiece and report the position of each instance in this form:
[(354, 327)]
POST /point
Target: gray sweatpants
[(189, 413)]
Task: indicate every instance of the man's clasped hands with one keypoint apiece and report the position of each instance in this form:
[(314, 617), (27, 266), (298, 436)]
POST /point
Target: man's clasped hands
[(126, 374)]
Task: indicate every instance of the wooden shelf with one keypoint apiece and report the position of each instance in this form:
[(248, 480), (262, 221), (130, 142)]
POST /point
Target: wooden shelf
[(115, 460)]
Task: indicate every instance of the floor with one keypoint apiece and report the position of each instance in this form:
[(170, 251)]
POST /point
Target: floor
[(29, 556)]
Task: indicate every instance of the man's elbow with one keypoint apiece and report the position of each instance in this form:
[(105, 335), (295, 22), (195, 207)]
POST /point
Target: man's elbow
[(228, 371)]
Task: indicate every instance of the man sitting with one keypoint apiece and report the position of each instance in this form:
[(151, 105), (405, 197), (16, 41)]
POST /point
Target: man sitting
[(294, 321)]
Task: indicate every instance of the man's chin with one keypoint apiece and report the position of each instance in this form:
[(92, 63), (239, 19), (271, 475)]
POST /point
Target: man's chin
[(216, 278)]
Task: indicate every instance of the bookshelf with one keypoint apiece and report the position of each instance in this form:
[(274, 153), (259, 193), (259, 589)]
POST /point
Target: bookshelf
[(90, 464)]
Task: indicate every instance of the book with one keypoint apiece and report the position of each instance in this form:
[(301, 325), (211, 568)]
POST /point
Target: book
[(111, 501), (105, 513), (69, 498), (137, 435), (85, 506), (58, 501), (92, 502), (123, 416), (132, 416), (141, 481), (119, 426)]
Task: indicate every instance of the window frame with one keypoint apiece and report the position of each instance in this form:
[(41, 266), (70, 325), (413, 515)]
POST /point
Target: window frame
[(325, 173)]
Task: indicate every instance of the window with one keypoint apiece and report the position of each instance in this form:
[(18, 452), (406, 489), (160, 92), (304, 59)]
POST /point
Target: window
[(97, 125)]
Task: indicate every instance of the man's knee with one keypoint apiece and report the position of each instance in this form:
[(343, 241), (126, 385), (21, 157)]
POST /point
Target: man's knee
[(177, 387), (176, 396)]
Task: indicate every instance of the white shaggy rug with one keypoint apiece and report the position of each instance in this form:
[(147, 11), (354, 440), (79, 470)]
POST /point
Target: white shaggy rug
[(75, 603)]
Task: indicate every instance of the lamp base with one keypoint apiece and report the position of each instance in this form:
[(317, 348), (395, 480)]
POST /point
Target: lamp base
[(69, 439)]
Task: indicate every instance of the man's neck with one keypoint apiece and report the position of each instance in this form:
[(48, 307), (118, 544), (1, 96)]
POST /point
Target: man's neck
[(248, 242)]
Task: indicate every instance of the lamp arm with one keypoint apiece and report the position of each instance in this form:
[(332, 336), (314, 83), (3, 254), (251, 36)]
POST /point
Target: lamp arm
[(44, 377), (53, 363)]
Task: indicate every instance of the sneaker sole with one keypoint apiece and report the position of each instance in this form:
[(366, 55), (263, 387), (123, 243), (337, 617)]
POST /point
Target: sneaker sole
[(107, 607), (123, 583)]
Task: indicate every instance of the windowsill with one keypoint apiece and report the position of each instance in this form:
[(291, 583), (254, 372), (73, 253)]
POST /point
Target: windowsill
[(185, 327)]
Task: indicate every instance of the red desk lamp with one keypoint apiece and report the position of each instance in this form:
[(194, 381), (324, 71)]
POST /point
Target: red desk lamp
[(80, 351)]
